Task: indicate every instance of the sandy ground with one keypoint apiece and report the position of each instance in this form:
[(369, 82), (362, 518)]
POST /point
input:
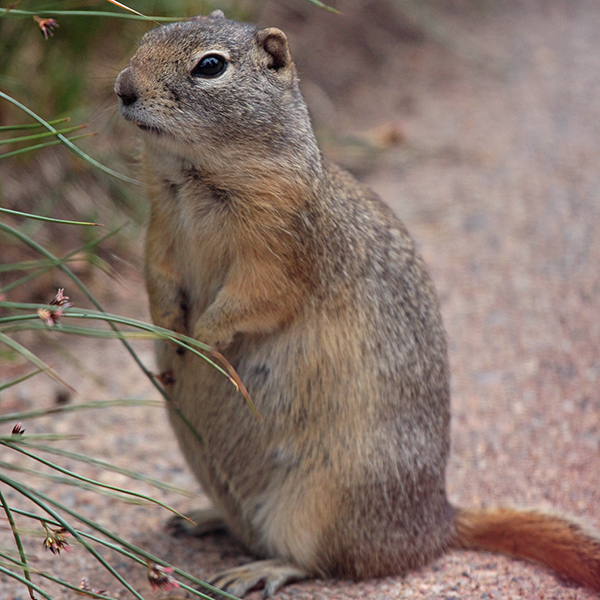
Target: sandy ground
[(498, 181)]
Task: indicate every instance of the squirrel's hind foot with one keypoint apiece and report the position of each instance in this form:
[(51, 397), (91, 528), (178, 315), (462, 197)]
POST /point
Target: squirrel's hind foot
[(272, 574)]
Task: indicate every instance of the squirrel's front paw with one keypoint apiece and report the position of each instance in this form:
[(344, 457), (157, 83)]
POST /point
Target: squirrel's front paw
[(215, 339)]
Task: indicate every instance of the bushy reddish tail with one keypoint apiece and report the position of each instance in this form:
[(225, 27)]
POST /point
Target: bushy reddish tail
[(553, 541)]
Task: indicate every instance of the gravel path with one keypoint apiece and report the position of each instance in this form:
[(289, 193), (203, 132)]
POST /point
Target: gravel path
[(499, 182)]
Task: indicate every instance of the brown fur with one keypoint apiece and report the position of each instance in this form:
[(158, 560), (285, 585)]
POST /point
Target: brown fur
[(313, 290)]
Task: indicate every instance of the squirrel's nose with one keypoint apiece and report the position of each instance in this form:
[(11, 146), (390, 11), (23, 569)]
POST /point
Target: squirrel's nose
[(125, 87)]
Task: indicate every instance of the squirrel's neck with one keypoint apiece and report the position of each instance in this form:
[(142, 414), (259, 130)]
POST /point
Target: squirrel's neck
[(289, 172), (253, 201)]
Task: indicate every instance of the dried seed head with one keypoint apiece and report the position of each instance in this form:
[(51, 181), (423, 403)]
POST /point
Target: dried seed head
[(46, 26), (52, 317), (85, 587), (60, 299), (56, 540), (47, 316), (161, 578), (18, 429)]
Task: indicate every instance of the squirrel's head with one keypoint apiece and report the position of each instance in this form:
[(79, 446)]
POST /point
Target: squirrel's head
[(212, 88)]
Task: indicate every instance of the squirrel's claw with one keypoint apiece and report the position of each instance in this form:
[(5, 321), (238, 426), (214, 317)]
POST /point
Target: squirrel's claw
[(272, 574)]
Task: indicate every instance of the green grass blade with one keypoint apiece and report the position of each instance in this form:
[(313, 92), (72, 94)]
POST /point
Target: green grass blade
[(20, 379), (137, 552), (18, 542), (31, 323), (30, 586), (113, 468), (325, 6), (67, 142), (31, 125), (40, 146), (88, 13), (121, 550), (42, 265), (90, 296), (185, 341), (98, 404), (37, 136), (42, 501), (58, 262), (92, 482), (26, 265), (32, 358), (178, 338), (152, 331), (39, 437), (50, 219), (60, 582), (58, 480)]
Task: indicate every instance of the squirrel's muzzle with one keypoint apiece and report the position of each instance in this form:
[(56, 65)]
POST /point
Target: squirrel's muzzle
[(125, 87)]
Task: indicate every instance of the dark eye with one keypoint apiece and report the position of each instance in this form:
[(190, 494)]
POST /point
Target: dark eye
[(211, 65)]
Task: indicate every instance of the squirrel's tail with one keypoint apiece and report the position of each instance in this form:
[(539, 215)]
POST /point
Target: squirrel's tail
[(553, 541)]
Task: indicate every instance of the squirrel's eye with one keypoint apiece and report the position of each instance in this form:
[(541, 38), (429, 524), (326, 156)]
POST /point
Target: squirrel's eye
[(210, 66)]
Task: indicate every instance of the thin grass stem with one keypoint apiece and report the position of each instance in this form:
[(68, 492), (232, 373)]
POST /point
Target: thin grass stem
[(18, 542), (93, 482), (58, 262), (41, 500), (113, 468), (30, 586), (32, 358), (135, 12), (67, 142), (124, 553), (5, 386), (184, 341), (40, 146), (61, 582), (39, 437), (131, 547), (37, 136), (98, 404), (57, 479), (87, 13), (32, 125), (50, 219), (325, 6), (90, 296)]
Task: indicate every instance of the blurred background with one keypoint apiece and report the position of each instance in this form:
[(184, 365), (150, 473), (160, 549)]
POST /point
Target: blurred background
[(478, 121)]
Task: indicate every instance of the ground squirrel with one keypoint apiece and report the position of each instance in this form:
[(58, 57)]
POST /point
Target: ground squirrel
[(313, 290)]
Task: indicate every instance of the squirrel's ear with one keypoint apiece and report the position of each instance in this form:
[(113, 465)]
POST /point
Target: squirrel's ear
[(274, 42)]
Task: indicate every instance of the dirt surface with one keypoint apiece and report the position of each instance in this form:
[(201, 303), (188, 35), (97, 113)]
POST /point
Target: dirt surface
[(498, 181)]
